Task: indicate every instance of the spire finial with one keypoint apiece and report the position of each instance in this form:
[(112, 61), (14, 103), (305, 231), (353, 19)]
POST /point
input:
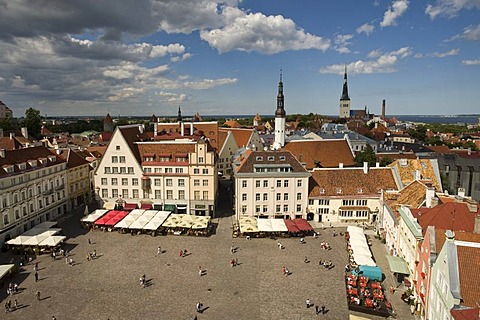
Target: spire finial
[(281, 71)]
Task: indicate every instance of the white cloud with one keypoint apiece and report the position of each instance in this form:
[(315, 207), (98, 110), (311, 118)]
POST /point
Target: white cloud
[(452, 52), (374, 54), (472, 33), (209, 83), (450, 8), (260, 33), (471, 62), (395, 11), (341, 42), (366, 28), (170, 97), (184, 57), (385, 63)]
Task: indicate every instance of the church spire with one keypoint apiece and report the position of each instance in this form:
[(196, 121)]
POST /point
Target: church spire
[(179, 115), (345, 86), (280, 112)]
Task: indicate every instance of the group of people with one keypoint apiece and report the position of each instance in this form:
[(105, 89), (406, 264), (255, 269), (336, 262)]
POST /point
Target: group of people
[(9, 306), (327, 264), (318, 309), (12, 288), (92, 255), (326, 246), (183, 253)]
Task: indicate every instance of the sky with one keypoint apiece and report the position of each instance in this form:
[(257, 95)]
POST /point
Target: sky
[(144, 57)]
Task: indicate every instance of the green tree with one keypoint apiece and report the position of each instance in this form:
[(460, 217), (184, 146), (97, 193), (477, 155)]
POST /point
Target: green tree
[(367, 155), (33, 122), (7, 124), (385, 161)]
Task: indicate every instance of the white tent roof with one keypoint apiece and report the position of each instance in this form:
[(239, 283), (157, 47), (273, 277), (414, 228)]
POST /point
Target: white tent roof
[(264, 225), (153, 225), (353, 229), (363, 260), (362, 250), (18, 241), (4, 268), (109, 205), (278, 225), (94, 216), (35, 240), (125, 222), (52, 241), (150, 213), (38, 231), (140, 222)]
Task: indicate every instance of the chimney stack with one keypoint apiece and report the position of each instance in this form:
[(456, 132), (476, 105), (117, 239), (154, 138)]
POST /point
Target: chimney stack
[(383, 109), (2, 153), (476, 227), (24, 132), (12, 135), (430, 193), (365, 167), (469, 151), (340, 165)]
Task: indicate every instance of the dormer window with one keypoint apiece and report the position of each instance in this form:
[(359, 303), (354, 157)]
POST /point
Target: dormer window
[(43, 160), (32, 163), (359, 190), (8, 168), (282, 158), (322, 191), (259, 158), (22, 166), (271, 158), (147, 159), (338, 190), (52, 158)]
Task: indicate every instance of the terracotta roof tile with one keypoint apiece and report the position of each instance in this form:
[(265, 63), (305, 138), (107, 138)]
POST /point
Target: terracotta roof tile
[(222, 136), (468, 266), (465, 313), (8, 143), (407, 172), (163, 149), (351, 181), (412, 195), (327, 153), (440, 149), (451, 216), (14, 157), (242, 136), (207, 129), (232, 124)]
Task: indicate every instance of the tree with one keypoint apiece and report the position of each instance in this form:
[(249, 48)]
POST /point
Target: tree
[(33, 122), (7, 124), (385, 161), (366, 155)]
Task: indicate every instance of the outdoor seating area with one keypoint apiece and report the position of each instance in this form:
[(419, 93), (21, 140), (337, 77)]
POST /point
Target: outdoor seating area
[(40, 239), (366, 296), (153, 222), (358, 248), (260, 228)]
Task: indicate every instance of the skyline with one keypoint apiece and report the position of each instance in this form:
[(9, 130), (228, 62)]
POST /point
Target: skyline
[(219, 57)]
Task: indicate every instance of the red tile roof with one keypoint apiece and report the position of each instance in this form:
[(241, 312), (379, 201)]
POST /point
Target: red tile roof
[(465, 314), (14, 157), (326, 153), (468, 266), (242, 136), (450, 216), (268, 158), (351, 181)]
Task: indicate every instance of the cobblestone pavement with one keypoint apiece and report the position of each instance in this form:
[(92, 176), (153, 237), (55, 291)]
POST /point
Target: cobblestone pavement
[(108, 287)]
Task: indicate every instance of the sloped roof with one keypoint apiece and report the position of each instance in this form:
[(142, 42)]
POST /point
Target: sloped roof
[(72, 158), (440, 149), (232, 124), (426, 167), (8, 143), (108, 119), (328, 153), (351, 181), (412, 195), (468, 266), (14, 157), (222, 137), (132, 134), (269, 158), (451, 216), (207, 129), (242, 136), (465, 313), (163, 149)]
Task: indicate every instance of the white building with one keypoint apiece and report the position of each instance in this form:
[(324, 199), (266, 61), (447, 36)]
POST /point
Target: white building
[(33, 189), (270, 184), (348, 195), (178, 175)]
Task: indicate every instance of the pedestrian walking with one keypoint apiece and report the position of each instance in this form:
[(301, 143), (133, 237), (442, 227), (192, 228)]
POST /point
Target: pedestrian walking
[(307, 302), (181, 253), (199, 307), (6, 307), (15, 304), (323, 309), (317, 310), (185, 252), (283, 270), (36, 266), (15, 287), (36, 276), (159, 251), (66, 260), (53, 318), (89, 242), (200, 271), (37, 294), (70, 261)]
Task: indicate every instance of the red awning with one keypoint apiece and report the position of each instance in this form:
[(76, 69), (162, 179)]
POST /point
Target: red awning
[(117, 218), (110, 214), (146, 206), (303, 225), (130, 206), (291, 226)]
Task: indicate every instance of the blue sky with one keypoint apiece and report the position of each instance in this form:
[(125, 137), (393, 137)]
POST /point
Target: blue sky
[(143, 57)]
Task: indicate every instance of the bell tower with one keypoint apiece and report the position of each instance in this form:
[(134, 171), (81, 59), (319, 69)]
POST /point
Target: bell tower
[(280, 117), (345, 99)]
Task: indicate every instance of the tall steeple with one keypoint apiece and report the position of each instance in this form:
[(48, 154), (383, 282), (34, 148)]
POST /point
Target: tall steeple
[(345, 86), (280, 112), (179, 115), (280, 117), (345, 99)]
